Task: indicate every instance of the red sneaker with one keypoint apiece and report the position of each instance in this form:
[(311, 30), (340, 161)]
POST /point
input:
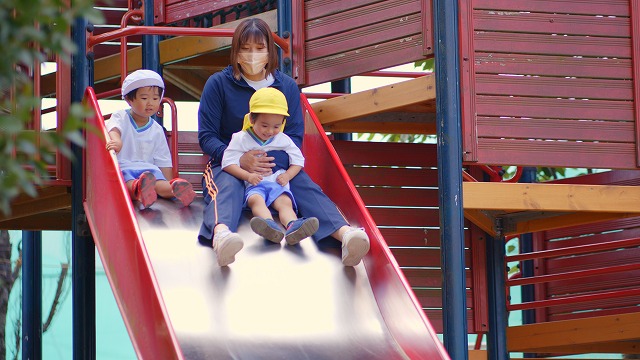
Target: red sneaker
[(144, 189), (183, 191)]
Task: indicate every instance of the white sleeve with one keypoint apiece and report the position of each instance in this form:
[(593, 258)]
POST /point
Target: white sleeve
[(295, 155), (234, 151), (115, 121), (161, 153)]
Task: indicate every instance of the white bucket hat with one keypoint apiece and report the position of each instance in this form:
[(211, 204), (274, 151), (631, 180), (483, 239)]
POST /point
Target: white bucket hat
[(141, 78)]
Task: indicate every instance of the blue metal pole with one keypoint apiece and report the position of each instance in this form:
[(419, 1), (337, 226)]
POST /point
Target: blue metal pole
[(284, 31), (344, 87), (526, 246), (83, 250), (448, 118), (497, 299), (32, 295), (150, 47)]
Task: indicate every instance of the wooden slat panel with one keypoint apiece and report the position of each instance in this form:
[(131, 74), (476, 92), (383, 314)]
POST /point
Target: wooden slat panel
[(365, 21), (606, 304), (553, 87), (411, 236), (188, 163), (590, 261), (432, 298), (416, 237), (411, 257), (431, 278), (565, 66), (194, 179), (613, 177), (554, 108), (556, 129), (180, 10), (320, 9), (606, 282), (551, 23), (349, 41), (369, 58), (379, 176), (587, 7), (405, 217), (565, 154), (594, 313), (399, 196), (386, 154), (613, 234), (435, 318), (622, 224), (343, 39), (552, 45)]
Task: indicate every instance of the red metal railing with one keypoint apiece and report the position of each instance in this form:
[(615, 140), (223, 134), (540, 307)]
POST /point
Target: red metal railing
[(121, 248), (398, 305)]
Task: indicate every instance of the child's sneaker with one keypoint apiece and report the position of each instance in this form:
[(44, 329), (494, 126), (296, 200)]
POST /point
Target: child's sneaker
[(226, 245), (144, 189), (267, 228), (183, 191), (301, 229), (355, 245)]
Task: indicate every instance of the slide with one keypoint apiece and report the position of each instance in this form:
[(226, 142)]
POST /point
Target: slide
[(274, 302)]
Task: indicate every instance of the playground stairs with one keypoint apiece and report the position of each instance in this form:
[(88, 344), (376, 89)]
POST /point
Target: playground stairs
[(529, 98)]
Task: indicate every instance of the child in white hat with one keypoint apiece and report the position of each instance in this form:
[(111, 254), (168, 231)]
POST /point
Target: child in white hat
[(268, 111), (140, 143)]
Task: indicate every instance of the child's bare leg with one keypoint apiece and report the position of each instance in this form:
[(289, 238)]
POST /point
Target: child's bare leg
[(258, 206), (163, 188), (284, 207), (263, 223), (297, 229)]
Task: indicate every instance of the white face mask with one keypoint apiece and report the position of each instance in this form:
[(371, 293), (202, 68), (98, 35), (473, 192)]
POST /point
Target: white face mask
[(253, 63)]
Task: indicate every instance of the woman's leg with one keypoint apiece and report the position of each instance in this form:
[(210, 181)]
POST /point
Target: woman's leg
[(312, 202), (224, 197)]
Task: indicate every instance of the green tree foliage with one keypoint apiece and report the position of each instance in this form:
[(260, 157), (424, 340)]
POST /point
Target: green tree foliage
[(32, 32)]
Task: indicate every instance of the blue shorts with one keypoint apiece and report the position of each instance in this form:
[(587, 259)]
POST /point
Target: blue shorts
[(132, 174), (269, 191)]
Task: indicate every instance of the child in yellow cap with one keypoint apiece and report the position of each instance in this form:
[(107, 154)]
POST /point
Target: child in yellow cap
[(267, 113)]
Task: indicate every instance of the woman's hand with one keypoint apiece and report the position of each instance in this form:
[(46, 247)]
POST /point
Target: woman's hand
[(257, 161)]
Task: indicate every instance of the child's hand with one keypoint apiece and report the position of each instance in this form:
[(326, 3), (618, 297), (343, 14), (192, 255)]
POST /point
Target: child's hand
[(283, 179), (115, 145), (254, 179)]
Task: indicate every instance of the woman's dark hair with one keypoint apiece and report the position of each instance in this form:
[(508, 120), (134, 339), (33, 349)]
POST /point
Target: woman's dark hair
[(253, 30)]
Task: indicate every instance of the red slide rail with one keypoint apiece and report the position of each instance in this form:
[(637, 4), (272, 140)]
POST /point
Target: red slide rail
[(398, 305), (119, 241)]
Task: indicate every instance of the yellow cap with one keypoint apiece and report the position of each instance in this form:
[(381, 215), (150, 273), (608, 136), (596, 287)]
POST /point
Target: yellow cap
[(268, 101)]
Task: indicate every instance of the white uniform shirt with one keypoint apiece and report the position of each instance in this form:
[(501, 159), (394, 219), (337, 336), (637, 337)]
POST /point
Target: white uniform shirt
[(244, 141), (141, 146)]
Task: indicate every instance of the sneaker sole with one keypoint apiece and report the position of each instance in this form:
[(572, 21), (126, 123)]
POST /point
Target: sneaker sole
[(183, 191), (227, 254), (355, 251), (260, 227), (307, 229), (148, 194)]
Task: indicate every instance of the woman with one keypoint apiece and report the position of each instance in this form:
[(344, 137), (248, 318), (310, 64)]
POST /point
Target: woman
[(223, 105)]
